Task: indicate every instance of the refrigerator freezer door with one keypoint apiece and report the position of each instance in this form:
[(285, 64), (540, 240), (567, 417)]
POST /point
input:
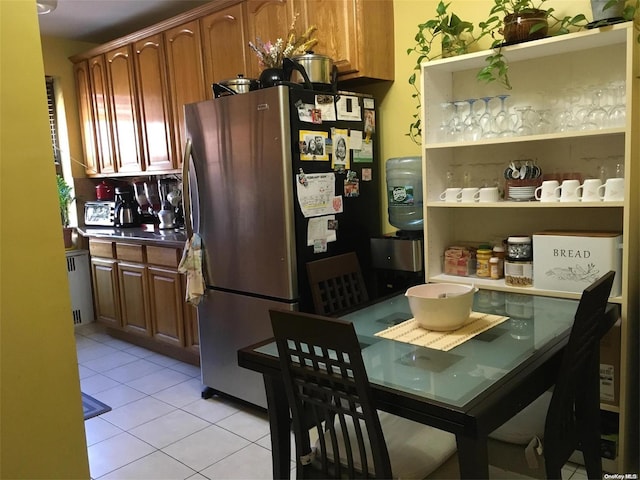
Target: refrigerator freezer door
[(243, 203), (230, 322)]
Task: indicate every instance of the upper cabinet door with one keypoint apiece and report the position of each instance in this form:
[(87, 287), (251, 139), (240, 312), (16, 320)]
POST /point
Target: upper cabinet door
[(101, 114), (83, 90), (186, 75), (356, 34), (225, 45), (124, 110), (156, 126), (267, 20)]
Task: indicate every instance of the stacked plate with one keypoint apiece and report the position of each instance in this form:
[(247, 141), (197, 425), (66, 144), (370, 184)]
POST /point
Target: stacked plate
[(521, 194)]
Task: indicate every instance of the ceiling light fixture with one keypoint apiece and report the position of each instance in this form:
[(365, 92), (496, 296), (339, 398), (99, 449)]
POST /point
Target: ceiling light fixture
[(46, 6)]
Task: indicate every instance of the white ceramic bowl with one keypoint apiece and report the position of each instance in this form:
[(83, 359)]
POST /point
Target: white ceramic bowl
[(441, 306)]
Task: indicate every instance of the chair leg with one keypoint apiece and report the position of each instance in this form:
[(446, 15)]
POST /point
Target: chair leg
[(592, 460)]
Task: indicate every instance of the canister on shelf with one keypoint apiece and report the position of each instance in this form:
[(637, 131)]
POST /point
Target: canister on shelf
[(518, 273), (482, 266), (519, 248), (495, 272)]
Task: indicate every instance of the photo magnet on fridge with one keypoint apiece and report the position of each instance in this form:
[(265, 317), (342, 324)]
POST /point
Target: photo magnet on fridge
[(312, 145)]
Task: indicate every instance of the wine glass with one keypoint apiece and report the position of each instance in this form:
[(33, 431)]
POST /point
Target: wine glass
[(486, 120), (527, 120), (446, 112), (617, 113), (504, 119), (472, 130)]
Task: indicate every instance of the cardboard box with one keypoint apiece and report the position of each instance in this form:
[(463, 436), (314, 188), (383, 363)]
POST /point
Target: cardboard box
[(610, 366), (569, 261)]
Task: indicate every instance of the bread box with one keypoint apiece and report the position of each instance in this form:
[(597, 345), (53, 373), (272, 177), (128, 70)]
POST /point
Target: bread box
[(570, 261)]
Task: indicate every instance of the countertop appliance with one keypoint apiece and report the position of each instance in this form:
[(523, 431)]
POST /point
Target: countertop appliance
[(100, 214), (252, 179), (126, 212)]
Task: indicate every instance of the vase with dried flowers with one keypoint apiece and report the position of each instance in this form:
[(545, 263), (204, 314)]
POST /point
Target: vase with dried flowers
[(271, 55)]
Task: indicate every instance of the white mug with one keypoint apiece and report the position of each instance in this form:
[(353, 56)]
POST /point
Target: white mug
[(547, 191), (467, 195), (569, 191), (451, 195), (589, 189), (613, 190), (487, 194)]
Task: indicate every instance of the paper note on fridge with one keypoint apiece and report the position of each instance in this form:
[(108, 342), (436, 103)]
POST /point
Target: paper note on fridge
[(317, 195), (318, 229), (348, 108)]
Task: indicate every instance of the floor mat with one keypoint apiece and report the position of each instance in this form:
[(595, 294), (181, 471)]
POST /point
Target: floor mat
[(92, 407)]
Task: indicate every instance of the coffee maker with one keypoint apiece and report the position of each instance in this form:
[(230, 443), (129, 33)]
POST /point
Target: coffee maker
[(126, 211)]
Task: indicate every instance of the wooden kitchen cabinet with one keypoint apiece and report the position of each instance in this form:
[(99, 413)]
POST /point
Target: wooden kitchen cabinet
[(267, 20), (186, 74), (133, 284), (85, 111), (166, 300), (124, 111), (157, 138), (224, 45), (104, 273), (140, 83), (101, 102), (139, 294), (356, 34)]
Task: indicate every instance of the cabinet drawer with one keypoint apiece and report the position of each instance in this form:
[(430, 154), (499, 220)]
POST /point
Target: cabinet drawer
[(167, 257), (130, 252), (101, 248)]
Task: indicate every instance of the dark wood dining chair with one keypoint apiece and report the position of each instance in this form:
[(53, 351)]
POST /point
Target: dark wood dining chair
[(329, 395), (337, 284), (572, 419)]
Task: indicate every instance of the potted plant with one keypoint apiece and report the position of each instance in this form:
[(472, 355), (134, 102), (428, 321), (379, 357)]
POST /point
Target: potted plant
[(452, 34), (64, 200), (515, 21)]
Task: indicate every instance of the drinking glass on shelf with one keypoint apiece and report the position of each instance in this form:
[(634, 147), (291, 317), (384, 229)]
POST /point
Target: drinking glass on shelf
[(618, 110), (505, 121), (446, 113), (472, 130), (544, 122), (486, 120), (526, 121), (457, 122), (597, 115)]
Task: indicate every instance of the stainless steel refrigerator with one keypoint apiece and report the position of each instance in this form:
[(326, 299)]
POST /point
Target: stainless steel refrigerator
[(249, 163)]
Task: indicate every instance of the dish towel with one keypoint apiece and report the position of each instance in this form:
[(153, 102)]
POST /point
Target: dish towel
[(191, 265)]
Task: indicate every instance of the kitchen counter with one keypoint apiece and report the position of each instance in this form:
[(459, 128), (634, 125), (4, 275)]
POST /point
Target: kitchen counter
[(146, 234)]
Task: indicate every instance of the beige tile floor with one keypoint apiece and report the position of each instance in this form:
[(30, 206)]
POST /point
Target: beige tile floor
[(160, 428)]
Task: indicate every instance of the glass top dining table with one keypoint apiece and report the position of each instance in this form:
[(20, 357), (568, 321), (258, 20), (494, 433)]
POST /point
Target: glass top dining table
[(469, 390)]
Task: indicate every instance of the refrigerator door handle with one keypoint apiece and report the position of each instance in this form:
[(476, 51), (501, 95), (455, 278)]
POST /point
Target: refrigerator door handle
[(189, 174)]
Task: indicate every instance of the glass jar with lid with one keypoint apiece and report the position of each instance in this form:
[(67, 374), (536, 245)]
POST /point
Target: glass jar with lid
[(519, 248)]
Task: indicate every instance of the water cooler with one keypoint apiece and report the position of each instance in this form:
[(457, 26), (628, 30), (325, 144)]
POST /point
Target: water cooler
[(80, 286), (398, 257)]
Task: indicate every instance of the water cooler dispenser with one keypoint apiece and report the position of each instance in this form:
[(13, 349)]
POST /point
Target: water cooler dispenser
[(398, 257)]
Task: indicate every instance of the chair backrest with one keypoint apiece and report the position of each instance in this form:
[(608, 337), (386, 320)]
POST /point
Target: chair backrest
[(573, 417), (336, 284), (328, 389)]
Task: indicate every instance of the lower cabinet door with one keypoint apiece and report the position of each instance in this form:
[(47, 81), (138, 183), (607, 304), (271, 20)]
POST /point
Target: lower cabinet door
[(166, 306), (134, 301), (105, 291)]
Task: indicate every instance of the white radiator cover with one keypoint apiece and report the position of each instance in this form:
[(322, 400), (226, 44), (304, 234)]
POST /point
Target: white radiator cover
[(80, 286)]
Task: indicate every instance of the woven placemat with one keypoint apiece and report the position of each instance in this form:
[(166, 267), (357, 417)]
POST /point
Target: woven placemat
[(410, 332)]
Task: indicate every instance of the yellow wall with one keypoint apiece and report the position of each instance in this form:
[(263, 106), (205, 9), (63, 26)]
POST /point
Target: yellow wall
[(41, 428)]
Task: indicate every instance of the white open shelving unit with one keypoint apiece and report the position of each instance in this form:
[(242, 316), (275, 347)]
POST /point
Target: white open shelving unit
[(539, 70)]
